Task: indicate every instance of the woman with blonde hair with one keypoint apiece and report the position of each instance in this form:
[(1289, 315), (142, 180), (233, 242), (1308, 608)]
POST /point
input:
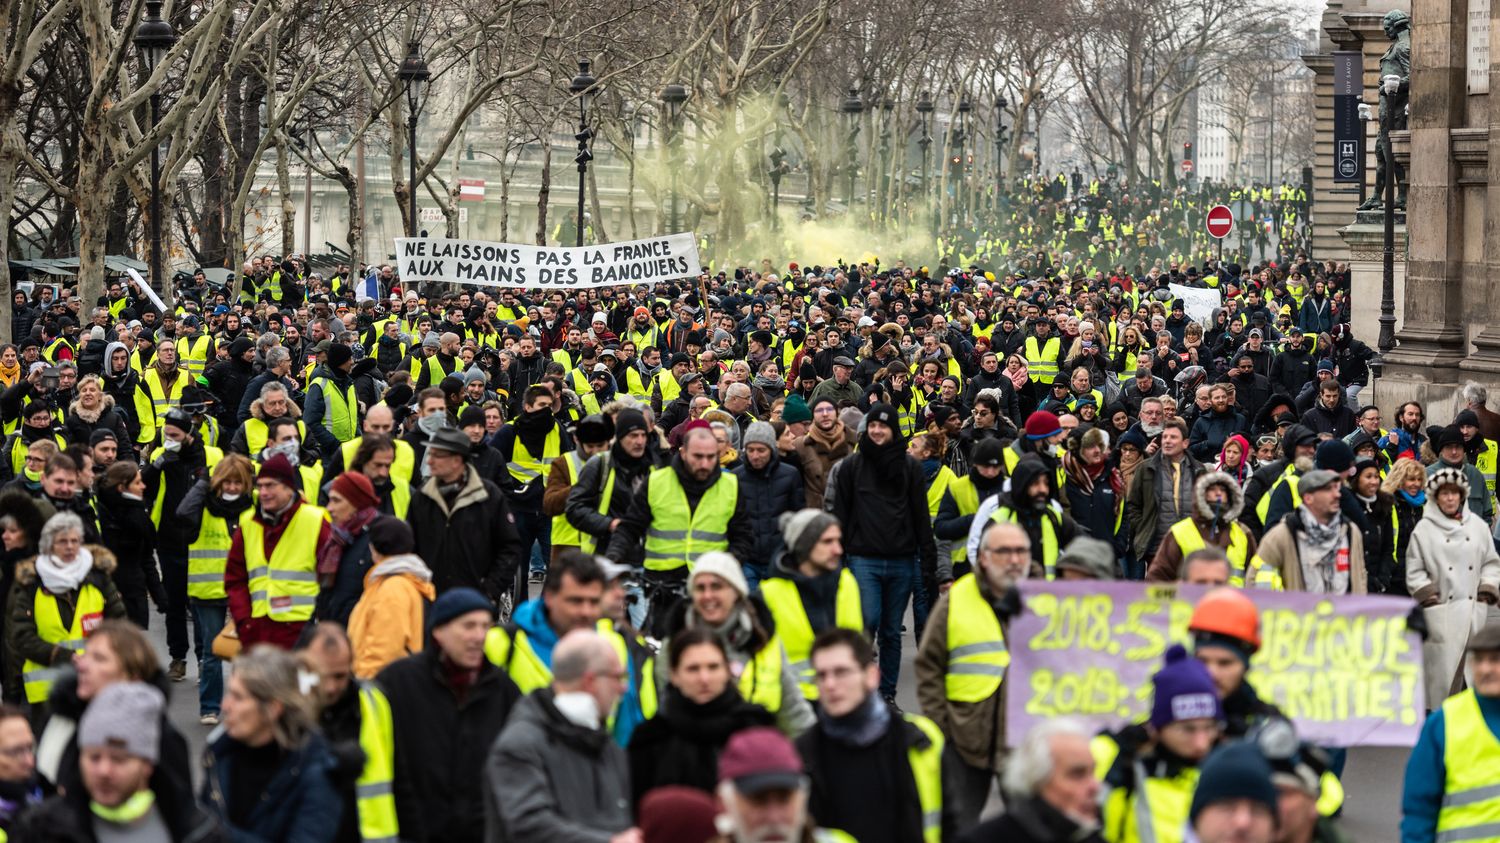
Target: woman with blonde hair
[(269, 775), (1406, 482)]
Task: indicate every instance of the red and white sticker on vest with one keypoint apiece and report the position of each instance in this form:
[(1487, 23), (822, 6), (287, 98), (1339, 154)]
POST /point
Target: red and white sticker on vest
[(90, 622), (286, 602), (1341, 563)]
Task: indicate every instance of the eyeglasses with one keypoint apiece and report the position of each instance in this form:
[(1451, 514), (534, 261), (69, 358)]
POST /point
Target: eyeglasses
[(18, 752), (1008, 550)]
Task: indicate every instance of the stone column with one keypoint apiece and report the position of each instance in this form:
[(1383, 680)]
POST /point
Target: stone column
[(1431, 340), (1484, 362)]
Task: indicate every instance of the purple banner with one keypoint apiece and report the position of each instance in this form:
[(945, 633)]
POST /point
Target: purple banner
[(1344, 669)]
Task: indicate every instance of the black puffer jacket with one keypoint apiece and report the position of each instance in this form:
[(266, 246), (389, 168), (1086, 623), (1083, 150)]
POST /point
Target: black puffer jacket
[(681, 744), (130, 535), (767, 493), (471, 542)]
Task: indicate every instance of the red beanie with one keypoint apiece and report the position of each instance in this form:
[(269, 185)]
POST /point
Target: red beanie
[(356, 489), (677, 814), (279, 468)]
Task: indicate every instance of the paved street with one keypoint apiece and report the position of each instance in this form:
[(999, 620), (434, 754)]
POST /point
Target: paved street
[(1372, 780)]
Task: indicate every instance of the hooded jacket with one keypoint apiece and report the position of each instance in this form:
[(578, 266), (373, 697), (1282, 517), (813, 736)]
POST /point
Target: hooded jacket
[(1213, 526), (387, 622), (1027, 514), (23, 641), (81, 423), (768, 492)]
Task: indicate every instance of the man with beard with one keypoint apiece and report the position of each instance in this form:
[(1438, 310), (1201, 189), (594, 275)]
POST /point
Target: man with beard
[(1251, 389), (1217, 503), (608, 482), (990, 377), (682, 511), (961, 666), (890, 545), (826, 442), (960, 502), (1031, 503), (121, 382), (1160, 493), (1294, 367), (528, 444)]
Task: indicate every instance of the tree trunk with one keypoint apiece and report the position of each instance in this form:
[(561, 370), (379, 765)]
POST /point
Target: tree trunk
[(505, 175), (95, 199), (284, 190), (600, 236), (543, 192)]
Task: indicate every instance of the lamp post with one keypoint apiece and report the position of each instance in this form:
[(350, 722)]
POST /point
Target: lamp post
[(883, 194), (673, 96), (1000, 106), (924, 112), (582, 87), (960, 194), (851, 108), (154, 37), (413, 74)]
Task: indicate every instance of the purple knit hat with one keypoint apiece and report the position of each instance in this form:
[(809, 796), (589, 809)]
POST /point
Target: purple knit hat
[(1184, 690)]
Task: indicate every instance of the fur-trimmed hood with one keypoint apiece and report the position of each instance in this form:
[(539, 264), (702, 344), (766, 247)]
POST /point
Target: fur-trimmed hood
[(257, 410), (107, 404), (1200, 496), (104, 562)]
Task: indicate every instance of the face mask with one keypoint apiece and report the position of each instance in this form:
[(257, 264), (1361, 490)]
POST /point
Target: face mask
[(433, 423), (227, 497), (290, 450), (1054, 449), (172, 445)]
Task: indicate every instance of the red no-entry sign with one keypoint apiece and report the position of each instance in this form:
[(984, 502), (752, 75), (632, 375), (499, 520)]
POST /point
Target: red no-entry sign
[(1220, 221)]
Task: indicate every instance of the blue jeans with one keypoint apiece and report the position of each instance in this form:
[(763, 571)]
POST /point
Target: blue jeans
[(754, 575), (208, 620), (885, 586), (534, 529)]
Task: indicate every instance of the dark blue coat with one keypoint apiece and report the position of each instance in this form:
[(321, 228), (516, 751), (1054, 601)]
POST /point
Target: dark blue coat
[(300, 804), (767, 493), (1210, 430)]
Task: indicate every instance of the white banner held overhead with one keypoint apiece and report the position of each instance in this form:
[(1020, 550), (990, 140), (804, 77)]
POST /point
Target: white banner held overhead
[(654, 259), (146, 288), (1198, 303)]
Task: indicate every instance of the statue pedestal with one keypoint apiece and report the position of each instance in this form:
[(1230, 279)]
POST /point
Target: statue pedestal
[(1365, 239)]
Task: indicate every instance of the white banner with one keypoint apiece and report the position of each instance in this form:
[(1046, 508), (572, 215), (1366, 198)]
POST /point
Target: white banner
[(146, 288), (666, 258), (1198, 303)]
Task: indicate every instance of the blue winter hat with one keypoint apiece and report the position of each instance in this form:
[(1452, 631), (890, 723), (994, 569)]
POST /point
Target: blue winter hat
[(1184, 690), (456, 603), (1236, 771)]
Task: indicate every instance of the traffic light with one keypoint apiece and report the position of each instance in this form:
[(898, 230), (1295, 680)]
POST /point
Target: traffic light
[(1187, 151)]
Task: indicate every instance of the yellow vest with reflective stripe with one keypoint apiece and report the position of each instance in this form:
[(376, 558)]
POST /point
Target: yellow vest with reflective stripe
[(211, 457), (513, 652), (669, 386), (796, 633), (1485, 462), (157, 403), (257, 433), (966, 497), (634, 385), (1049, 537), (340, 410), (564, 533), (1155, 810), (1263, 505), (402, 467), (940, 483), (760, 681), (927, 771), (192, 354), (207, 556), (1471, 755), (19, 447), (87, 614), (1263, 575), (525, 467), (1189, 538), (374, 799), (678, 535), (284, 587), (977, 656), (1041, 362)]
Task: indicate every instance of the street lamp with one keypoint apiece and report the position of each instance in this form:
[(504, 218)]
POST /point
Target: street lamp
[(673, 96), (924, 110), (851, 108), (582, 87), (961, 195), (154, 37), (1000, 106), (413, 74), (883, 193), (779, 166)]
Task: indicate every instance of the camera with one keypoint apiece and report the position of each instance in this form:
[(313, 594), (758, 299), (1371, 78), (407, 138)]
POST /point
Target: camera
[(50, 377)]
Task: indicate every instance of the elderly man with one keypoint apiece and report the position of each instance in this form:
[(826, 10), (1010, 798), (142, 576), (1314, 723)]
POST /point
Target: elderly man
[(1052, 792), (554, 773), (763, 791)]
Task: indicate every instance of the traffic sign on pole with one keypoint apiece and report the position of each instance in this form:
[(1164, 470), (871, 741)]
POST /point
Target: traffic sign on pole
[(1187, 167), (1220, 221)]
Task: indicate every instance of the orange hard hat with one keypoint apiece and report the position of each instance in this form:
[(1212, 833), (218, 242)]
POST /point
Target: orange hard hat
[(1228, 612)]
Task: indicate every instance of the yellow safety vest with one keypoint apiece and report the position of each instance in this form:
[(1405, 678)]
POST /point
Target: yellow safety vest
[(211, 458), (284, 587), (634, 385), (796, 633), (668, 385), (927, 771), (760, 681), (374, 799), (1189, 538), (1485, 462), (1155, 810), (1041, 362), (1471, 754), (678, 535), (152, 403), (564, 533), (87, 614), (1263, 505), (192, 354), (207, 556), (257, 433), (401, 471), (1263, 575), (512, 650), (940, 483), (1049, 537), (966, 498), (20, 446), (51, 351), (341, 410), (524, 467), (977, 656)]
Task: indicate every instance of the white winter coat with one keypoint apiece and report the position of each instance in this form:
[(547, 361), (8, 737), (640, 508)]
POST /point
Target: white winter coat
[(1450, 561)]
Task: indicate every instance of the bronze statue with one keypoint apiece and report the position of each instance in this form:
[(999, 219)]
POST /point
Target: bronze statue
[(1395, 92)]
